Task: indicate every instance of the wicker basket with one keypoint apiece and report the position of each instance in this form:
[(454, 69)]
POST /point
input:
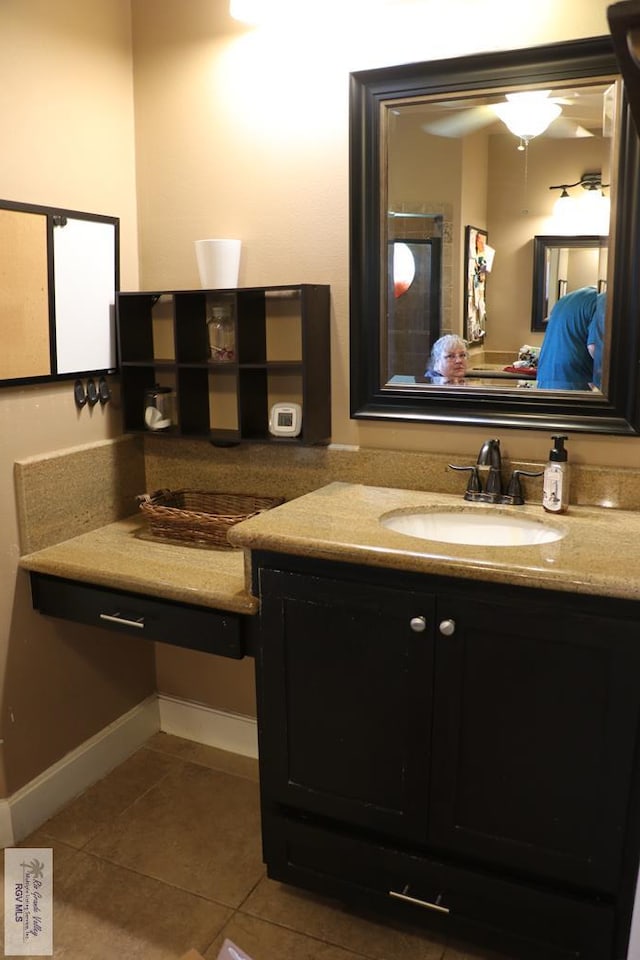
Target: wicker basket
[(198, 517)]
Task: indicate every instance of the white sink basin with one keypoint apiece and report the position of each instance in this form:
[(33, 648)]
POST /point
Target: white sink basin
[(479, 529)]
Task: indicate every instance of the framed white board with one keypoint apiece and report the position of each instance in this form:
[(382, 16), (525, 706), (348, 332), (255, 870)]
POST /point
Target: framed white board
[(84, 294)]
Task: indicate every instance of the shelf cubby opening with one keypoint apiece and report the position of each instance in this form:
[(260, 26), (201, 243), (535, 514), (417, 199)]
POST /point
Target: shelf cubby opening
[(193, 388), (135, 330), (252, 340), (192, 345), (283, 328), (162, 328), (223, 402), (134, 382), (254, 414)]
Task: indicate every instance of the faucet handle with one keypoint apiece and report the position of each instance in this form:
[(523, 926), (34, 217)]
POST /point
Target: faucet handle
[(474, 487), (514, 493)]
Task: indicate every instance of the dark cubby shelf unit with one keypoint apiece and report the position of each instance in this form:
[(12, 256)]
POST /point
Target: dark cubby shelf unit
[(163, 339)]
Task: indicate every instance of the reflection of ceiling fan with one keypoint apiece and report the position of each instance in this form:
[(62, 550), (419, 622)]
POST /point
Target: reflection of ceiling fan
[(580, 115)]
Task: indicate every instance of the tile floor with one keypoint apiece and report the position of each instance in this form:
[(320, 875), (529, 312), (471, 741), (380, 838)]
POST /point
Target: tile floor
[(164, 854)]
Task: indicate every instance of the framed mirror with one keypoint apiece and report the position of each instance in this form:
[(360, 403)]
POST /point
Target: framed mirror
[(431, 158), (562, 264), (59, 272)]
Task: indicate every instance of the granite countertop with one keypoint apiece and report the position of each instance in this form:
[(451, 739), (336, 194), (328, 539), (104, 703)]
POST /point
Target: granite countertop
[(116, 556), (599, 555)]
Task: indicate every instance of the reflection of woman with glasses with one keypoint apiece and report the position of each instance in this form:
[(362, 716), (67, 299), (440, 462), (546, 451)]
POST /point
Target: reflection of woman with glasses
[(448, 360)]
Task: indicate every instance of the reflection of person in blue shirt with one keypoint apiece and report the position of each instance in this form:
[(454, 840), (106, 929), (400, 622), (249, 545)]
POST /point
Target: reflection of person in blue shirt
[(595, 339), (565, 362)]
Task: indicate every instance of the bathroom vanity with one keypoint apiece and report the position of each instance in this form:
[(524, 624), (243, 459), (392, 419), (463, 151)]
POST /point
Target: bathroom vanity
[(449, 733)]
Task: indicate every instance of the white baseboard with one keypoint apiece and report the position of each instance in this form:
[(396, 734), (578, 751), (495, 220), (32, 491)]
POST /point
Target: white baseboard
[(29, 807), (33, 804), (194, 721)]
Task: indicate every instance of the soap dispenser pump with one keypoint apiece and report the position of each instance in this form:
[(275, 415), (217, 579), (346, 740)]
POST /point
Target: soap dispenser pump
[(555, 491)]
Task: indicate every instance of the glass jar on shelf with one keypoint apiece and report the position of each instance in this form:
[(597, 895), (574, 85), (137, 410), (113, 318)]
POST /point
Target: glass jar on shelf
[(159, 408), (222, 346)]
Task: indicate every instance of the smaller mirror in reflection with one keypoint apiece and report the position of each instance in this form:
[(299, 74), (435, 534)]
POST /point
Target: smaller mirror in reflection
[(562, 264)]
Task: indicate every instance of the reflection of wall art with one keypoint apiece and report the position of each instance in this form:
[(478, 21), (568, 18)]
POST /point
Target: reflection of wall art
[(477, 267)]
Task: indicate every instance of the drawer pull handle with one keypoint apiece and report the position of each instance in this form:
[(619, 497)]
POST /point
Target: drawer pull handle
[(420, 903), (116, 618)]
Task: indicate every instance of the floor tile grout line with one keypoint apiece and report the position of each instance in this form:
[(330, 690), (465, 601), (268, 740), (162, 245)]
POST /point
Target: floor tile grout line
[(107, 825), (253, 888), (198, 763), (160, 880)]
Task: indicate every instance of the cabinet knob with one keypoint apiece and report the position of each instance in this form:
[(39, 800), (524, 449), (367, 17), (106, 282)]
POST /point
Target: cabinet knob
[(418, 624), (447, 627)]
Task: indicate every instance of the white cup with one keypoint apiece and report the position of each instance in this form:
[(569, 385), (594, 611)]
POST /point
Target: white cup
[(218, 263)]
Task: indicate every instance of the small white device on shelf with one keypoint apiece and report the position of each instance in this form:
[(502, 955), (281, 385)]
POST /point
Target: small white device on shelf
[(285, 420)]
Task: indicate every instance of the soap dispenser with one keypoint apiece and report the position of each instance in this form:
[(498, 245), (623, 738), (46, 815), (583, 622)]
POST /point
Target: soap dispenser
[(555, 491)]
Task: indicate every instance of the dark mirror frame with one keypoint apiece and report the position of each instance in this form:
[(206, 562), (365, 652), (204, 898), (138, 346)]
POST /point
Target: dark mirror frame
[(52, 215), (616, 413), (540, 246)]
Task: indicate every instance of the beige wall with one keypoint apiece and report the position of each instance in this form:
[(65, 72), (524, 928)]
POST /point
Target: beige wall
[(66, 104)]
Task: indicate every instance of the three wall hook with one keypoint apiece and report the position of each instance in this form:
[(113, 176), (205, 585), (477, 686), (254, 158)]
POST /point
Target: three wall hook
[(92, 393)]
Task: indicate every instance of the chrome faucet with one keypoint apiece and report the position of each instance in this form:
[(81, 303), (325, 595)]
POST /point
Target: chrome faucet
[(485, 477)]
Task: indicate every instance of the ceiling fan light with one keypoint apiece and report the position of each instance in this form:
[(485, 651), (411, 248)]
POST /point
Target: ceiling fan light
[(527, 118), (528, 96)]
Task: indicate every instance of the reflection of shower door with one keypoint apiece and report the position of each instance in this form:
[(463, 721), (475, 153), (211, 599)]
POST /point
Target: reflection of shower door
[(413, 305)]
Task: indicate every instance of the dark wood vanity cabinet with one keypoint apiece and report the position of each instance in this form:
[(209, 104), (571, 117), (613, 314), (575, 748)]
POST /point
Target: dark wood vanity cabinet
[(461, 753)]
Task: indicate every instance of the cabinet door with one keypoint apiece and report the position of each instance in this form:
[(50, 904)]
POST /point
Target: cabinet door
[(345, 683), (535, 723)]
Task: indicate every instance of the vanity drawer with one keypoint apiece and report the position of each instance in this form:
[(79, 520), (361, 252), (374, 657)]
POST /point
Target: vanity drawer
[(525, 919), (182, 625)]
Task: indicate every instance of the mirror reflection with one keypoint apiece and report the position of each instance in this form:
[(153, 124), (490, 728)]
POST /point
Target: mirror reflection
[(473, 186), (564, 264)]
